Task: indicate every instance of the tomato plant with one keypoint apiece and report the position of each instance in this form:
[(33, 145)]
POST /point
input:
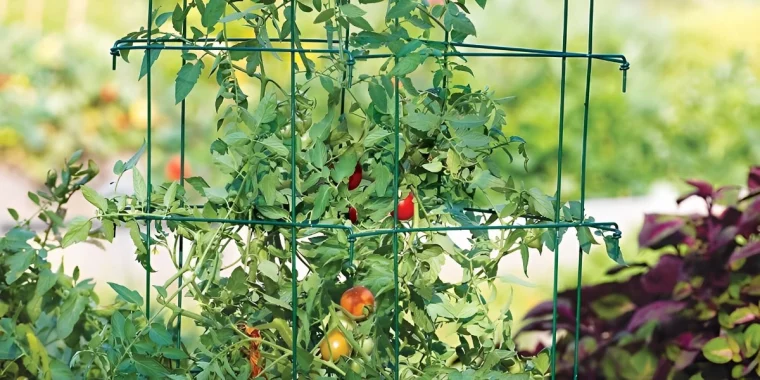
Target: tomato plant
[(279, 214)]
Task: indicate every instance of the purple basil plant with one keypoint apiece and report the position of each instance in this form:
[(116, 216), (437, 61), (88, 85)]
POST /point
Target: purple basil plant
[(693, 315)]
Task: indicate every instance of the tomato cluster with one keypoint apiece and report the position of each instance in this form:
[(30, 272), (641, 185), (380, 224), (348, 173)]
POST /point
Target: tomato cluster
[(357, 304), (405, 206)]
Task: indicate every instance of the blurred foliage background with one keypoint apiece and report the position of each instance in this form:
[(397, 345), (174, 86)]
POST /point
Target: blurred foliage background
[(691, 109)]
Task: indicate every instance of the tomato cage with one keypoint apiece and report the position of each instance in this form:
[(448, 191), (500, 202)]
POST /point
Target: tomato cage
[(293, 224)]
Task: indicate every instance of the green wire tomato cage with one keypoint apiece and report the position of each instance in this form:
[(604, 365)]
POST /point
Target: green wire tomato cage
[(293, 46)]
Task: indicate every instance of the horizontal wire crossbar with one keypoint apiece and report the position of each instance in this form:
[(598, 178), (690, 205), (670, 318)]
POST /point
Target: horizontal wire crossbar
[(503, 51), (605, 226)]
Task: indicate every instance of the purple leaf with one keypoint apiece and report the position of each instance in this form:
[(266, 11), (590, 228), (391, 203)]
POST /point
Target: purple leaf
[(750, 219), (749, 250), (658, 231), (753, 180), (663, 277), (730, 216), (702, 189), (545, 309), (659, 311)]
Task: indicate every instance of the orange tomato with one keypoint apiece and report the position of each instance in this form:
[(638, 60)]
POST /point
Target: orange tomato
[(358, 301), (173, 168), (254, 352), (334, 346), (109, 94)]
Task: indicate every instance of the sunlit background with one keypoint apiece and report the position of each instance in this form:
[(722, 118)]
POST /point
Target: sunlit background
[(691, 109)]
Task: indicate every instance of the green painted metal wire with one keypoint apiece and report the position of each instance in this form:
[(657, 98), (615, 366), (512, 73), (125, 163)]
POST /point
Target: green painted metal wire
[(558, 205), (182, 115), (149, 156), (149, 44)]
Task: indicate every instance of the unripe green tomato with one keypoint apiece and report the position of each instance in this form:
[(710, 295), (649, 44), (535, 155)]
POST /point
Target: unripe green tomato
[(533, 239), (303, 123), (356, 366), (305, 141), (347, 323), (367, 345)]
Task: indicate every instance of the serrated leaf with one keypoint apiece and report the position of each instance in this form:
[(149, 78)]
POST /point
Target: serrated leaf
[(139, 185), (78, 232), (318, 154), (402, 8), (186, 79), (94, 198), (213, 12), (159, 335), (541, 203), (379, 97), (275, 145), (383, 178), (147, 366), (422, 121), (345, 166), (171, 194), (466, 121), (407, 64), (147, 63), (18, 264), (71, 310), (376, 135), (216, 195)]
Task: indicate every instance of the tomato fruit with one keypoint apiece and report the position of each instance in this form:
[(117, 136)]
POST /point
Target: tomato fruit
[(367, 345), (334, 346), (352, 215), (406, 208), (347, 323), (533, 239), (173, 169), (356, 299), (356, 366), (355, 179)]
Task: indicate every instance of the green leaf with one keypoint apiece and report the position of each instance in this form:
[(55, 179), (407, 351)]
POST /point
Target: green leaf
[(240, 15), (269, 269), (173, 353), (422, 121), (473, 139), (350, 10), (268, 187), (266, 110), (214, 11), (161, 291), (324, 15), (613, 249), (171, 194), (216, 195), (374, 136), (14, 213), (379, 97), (46, 280), (94, 198), (148, 63), (320, 202), (78, 232), (612, 306), (542, 361), (273, 212), (525, 254), (71, 310), (18, 264), (717, 350), (139, 185), (159, 335), (121, 167), (361, 23), (162, 18), (147, 366), (345, 166), (186, 79), (275, 145), (401, 9), (541, 203), (407, 64), (318, 154), (752, 340), (453, 161), (445, 309), (466, 121), (117, 324), (383, 178), (435, 166), (127, 294), (321, 130), (586, 239)]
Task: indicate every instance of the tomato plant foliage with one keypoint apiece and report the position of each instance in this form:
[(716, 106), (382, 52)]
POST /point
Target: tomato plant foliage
[(452, 151)]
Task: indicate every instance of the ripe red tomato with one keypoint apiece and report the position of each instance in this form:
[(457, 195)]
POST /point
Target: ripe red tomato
[(355, 179), (356, 300), (173, 168), (334, 346), (406, 208), (352, 215)]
